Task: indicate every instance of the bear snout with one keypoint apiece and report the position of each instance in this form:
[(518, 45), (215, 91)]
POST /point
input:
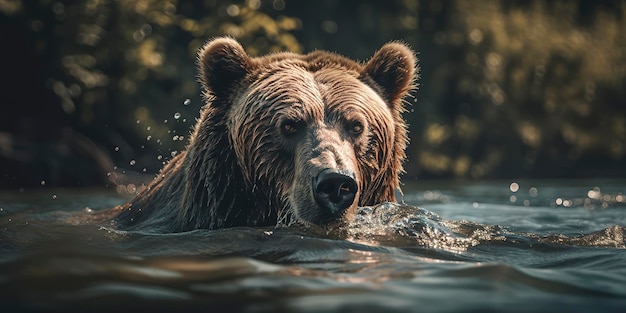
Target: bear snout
[(334, 192)]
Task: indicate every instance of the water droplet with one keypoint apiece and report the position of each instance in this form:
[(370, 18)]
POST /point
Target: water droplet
[(187, 102), (138, 121), (159, 157), (132, 162), (165, 121), (43, 182), (174, 153), (121, 189), (54, 197), (117, 149), (184, 120), (88, 210), (514, 187), (176, 115), (143, 170), (594, 193), (149, 137), (148, 128)]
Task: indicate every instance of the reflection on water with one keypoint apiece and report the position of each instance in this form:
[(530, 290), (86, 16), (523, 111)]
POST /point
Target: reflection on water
[(467, 247)]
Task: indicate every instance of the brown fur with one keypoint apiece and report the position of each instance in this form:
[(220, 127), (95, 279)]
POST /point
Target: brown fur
[(241, 168)]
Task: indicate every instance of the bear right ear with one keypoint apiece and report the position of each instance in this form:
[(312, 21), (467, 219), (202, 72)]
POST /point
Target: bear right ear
[(222, 63), (394, 69)]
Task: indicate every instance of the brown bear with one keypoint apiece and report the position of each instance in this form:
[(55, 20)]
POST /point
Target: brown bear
[(283, 138)]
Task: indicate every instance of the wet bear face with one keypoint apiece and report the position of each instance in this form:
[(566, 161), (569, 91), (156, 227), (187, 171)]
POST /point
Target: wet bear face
[(314, 135)]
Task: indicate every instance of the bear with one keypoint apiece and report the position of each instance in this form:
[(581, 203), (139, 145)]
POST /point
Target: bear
[(283, 138)]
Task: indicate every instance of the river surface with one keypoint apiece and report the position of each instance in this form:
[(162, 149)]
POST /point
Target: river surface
[(501, 246)]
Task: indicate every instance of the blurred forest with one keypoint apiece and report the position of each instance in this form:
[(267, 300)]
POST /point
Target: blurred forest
[(100, 91)]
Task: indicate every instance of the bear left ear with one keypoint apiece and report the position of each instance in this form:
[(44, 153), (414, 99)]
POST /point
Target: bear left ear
[(222, 63), (393, 68)]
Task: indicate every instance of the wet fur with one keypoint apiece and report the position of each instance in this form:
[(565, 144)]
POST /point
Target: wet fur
[(238, 170)]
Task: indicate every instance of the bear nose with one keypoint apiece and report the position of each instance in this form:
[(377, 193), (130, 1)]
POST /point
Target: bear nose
[(334, 192)]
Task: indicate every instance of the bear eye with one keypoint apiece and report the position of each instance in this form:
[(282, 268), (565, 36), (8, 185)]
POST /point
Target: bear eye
[(289, 127), (355, 128)]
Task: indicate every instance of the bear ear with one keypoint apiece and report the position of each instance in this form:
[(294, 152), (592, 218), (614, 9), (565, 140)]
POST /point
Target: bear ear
[(222, 63), (393, 68)]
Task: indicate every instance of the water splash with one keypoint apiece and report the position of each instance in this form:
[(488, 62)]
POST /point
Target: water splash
[(400, 224), (393, 224)]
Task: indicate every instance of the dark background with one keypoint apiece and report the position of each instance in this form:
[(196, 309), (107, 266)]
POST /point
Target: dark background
[(508, 89)]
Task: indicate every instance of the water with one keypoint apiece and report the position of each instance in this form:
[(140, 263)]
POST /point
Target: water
[(550, 246)]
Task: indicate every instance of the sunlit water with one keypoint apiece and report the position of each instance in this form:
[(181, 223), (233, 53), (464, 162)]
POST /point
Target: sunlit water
[(455, 247)]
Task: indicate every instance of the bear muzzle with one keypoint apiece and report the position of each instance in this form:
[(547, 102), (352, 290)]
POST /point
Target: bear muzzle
[(334, 192)]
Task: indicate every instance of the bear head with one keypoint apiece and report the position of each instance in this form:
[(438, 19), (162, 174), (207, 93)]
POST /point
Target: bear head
[(300, 137)]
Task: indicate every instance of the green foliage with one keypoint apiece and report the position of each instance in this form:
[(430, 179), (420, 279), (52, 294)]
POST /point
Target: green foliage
[(535, 88)]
